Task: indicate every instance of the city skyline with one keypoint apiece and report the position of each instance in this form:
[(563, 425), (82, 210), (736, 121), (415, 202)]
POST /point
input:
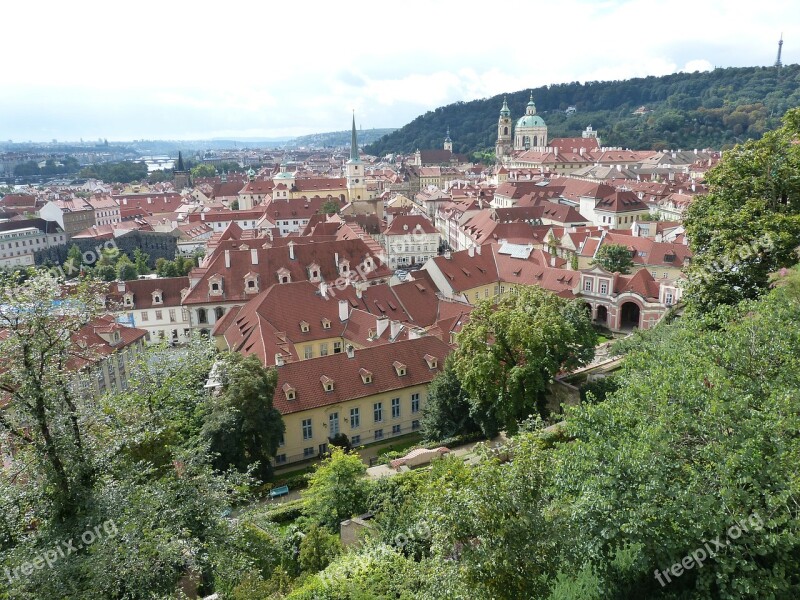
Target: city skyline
[(170, 72)]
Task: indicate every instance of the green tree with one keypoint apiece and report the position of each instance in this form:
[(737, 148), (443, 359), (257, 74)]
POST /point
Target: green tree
[(615, 258), (72, 266), (203, 171), (140, 260), (748, 225), (318, 549), (234, 204), (336, 489), (242, 426), (126, 270), (331, 207), (508, 354), (447, 412)]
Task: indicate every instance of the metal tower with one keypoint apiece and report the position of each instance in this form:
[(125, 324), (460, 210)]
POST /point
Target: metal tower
[(778, 62)]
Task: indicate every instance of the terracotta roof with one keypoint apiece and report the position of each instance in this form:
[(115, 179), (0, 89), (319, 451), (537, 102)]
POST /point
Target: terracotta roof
[(170, 289), (304, 376), (405, 224), (89, 345)]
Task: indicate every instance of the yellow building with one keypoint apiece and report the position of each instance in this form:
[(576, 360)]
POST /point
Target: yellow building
[(368, 394)]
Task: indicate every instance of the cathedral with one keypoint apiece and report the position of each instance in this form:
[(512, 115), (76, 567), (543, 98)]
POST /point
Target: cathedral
[(530, 131)]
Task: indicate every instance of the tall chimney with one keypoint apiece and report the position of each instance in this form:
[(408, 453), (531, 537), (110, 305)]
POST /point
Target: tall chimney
[(227, 259), (254, 256), (344, 311), (351, 352), (471, 251), (336, 259), (291, 250), (395, 328), (279, 360)]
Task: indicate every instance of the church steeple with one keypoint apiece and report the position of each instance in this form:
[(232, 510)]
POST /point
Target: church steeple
[(448, 143), (354, 142), (180, 162)]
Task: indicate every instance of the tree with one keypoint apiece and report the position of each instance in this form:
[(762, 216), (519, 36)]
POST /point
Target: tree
[(447, 412), (72, 266), (336, 489), (615, 258), (242, 426), (748, 225), (234, 204), (508, 354), (331, 207), (318, 549), (126, 270), (203, 171), (140, 260)]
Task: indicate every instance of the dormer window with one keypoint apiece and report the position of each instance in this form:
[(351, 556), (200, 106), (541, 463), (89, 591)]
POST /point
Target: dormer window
[(326, 323), (304, 326), (251, 283), (128, 299), (327, 383), (344, 267), (215, 285), (314, 272), (157, 297), (284, 276), (399, 367), (432, 361), (290, 392)]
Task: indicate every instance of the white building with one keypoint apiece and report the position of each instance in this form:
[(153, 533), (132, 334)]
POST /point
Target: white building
[(410, 240)]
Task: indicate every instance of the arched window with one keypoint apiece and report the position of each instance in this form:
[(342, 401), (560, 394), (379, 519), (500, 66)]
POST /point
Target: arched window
[(202, 317), (535, 141), (218, 312), (505, 130)]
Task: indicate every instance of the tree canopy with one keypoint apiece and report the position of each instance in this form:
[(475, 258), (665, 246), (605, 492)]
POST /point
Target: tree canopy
[(509, 352), (615, 258)]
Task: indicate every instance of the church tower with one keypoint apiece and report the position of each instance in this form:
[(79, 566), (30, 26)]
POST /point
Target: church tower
[(180, 176), (448, 143), (502, 147), (354, 171)]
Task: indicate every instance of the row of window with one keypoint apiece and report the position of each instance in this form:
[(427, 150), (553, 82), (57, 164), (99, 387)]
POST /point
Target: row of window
[(355, 440), (308, 351), (159, 314), (355, 417)]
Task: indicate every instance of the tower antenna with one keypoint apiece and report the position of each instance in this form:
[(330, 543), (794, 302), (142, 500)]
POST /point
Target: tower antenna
[(778, 62)]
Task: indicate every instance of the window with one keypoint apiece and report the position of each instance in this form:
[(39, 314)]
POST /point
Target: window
[(414, 424), (395, 429), (333, 424), (415, 403), (307, 431), (399, 368), (145, 316), (366, 376), (486, 293), (337, 347), (326, 324), (395, 408), (668, 298), (355, 418), (172, 317), (377, 410), (379, 434), (323, 349), (282, 441), (304, 326), (654, 274), (308, 352), (666, 275), (587, 285), (308, 451), (280, 459), (355, 440), (159, 315), (603, 287)]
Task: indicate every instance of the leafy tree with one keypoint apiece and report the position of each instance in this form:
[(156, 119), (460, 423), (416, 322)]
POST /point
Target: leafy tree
[(105, 272), (508, 354), (203, 170), (126, 270), (573, 262), (140, 260), (748, 225), (615, 258), (341, 441), (234, 205), (447, 412), (331, 207), (242, 426), (72, 266), (336, 489), (318, 549)]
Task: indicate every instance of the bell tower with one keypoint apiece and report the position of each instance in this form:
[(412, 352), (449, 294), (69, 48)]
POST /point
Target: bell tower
[(503, 146), (448, 143), (354, 171)]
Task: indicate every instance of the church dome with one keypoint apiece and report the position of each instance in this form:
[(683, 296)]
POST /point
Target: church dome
[(530, 121)]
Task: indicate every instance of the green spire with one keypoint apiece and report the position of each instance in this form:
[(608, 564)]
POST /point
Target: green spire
[(354, 142), (505, 111)]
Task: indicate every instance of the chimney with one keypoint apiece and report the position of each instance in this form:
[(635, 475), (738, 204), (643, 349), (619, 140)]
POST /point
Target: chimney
[(582, 150), (254, 256), (447, 254), (381, 323), (343, 310), (471, 251), (552, 261), (415, 333), (279, 360), (555, 151), (323, 290), (395, 328), (336, 259), (478, 250), (291, 250), (351, 352), (227, 259), (120, 286), (359, 291)]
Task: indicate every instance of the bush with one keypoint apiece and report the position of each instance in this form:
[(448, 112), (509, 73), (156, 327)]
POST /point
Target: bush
[(286, 512)]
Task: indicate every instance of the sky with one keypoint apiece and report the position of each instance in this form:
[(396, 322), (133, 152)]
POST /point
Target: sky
[(190, 70)]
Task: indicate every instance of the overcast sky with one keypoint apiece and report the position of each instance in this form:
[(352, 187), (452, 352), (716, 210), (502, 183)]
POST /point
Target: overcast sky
[(190, 70)]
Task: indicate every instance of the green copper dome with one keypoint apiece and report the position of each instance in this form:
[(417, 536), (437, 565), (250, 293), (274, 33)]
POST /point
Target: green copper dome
[(530, 121), (505, 111)]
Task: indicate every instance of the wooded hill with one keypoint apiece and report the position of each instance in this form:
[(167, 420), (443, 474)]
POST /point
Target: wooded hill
[(686, 110)]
